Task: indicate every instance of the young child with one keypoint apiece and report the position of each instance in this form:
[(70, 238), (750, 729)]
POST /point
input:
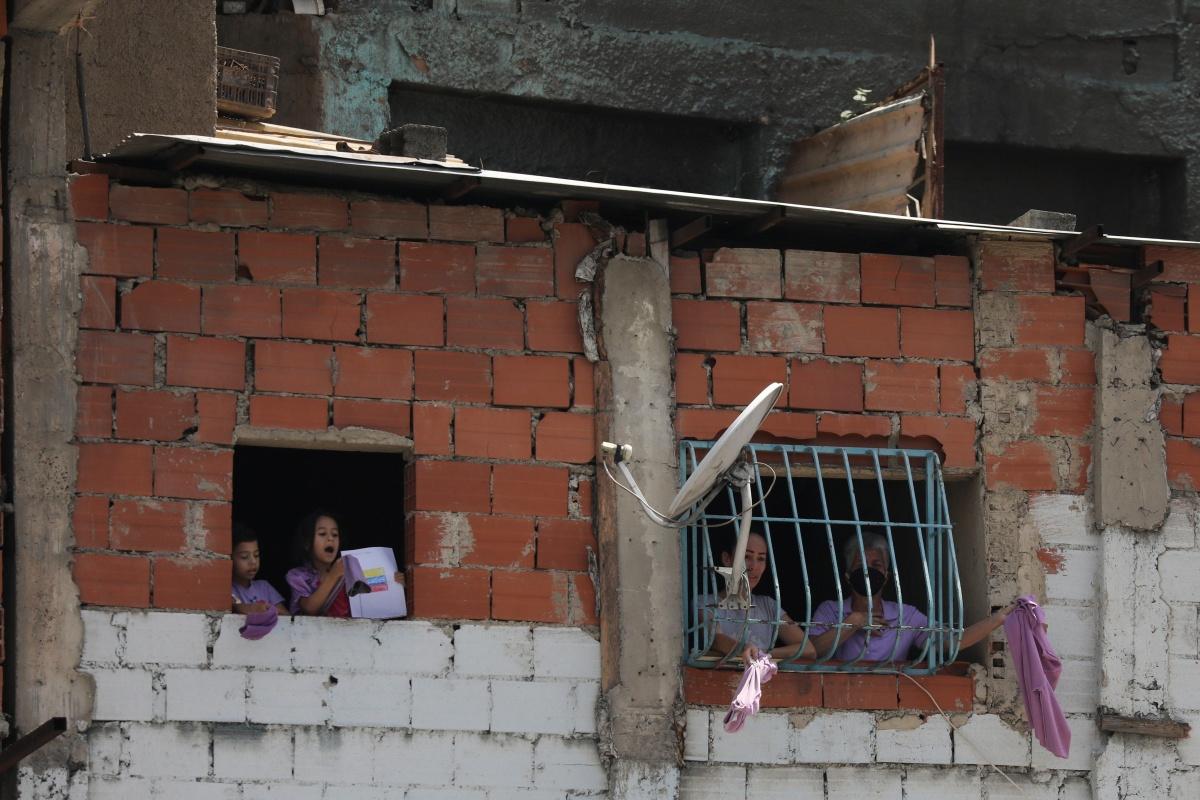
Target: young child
[(249, 595), (318, 585)]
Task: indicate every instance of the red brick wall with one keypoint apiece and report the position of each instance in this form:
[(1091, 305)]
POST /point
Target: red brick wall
[(208, 308), (1175, 312), (874, 350)]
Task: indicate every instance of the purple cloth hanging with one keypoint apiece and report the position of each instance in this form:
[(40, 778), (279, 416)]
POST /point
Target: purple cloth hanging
[(356, 582), (1038, 668), (745, 701), (260, 623)]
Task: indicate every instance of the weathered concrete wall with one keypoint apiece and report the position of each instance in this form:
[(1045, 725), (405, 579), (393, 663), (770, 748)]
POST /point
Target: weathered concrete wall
[(1101, 77)]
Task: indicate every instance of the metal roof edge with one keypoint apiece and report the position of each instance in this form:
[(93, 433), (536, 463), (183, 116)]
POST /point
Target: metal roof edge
[(284, 161)]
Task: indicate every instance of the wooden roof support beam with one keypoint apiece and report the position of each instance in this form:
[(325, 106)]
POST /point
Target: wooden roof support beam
[(691, 231)]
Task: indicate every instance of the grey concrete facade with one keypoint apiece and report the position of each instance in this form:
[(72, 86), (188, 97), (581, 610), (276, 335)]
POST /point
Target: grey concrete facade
[(1102, 92)]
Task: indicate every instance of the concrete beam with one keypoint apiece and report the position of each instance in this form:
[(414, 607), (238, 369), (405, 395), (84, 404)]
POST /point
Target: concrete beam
[(50, 16), (640, 571)]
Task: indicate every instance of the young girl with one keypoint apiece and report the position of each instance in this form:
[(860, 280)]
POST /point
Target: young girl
[(318, 584), (250, 596), (753, 630)]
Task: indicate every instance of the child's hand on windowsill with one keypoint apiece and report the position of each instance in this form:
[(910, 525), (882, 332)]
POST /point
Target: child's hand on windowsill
[(399, 578)]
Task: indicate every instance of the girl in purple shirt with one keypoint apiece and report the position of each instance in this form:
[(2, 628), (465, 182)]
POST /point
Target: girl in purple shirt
[(250, 596)]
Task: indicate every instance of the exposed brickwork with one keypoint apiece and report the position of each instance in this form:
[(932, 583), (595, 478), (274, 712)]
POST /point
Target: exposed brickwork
[(209, 308)]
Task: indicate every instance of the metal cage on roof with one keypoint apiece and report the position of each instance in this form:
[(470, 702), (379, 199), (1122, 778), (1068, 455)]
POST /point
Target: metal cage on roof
[(814, 503)]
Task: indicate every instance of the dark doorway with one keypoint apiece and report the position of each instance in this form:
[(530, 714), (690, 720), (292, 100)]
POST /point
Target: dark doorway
[(274, 488)]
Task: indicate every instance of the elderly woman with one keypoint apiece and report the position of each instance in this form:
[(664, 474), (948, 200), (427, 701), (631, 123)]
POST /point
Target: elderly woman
[(753, 630), (889, 640)]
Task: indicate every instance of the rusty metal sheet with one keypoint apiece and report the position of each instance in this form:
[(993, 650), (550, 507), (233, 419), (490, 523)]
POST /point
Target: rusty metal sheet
[(867, 163)]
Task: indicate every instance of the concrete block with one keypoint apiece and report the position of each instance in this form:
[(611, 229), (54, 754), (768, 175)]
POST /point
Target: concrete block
[(380, 701), (1073, 630), (250, 752), (568, 764), (586, 696), (1183, 686), (411, 648), (1077, 578), (1085, 742), (206, 695), (1081, 789), (698, 782), (996, 787), (1184, 786), (283, 791), (942, 784), (445, 793), (286, 698), (764, 739), (908, 740), (196, 790), (533, 707), (43, 783), (986, 738), (273, 651), (695, 735), (361, 792), (334, 755), (863, 783), (525, 793), (125, 788), (1189, 748), (333, 645), (838, 737), (501, 650), (483, 760), (1179, 530), (448, 704), (1183, 638), (178, 750), (565, 653), (1078, 689), (1062, 519), (784, 783), (162, 637), (1179, 569), (414, 759), (123, 694), (104, 749), (101, 640)]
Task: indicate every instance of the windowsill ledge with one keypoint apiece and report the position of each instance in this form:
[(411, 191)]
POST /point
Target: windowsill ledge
[(955, 693)]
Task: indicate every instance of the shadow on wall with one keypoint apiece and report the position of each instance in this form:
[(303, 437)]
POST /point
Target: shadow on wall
[(587, 143), (1127, 194)]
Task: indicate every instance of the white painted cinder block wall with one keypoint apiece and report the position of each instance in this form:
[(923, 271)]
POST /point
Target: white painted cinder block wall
[(322, 708), (857, 755)]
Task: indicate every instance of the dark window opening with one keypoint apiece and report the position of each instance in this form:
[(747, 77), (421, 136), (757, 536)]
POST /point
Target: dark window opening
[(563, 140), (1127, 194), (274, 488)]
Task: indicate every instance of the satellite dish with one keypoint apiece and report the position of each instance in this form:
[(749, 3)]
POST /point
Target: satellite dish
[(721, 467)]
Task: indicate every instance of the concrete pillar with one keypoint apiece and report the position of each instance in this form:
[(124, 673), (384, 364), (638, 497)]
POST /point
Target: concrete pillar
[(1131, 499), (641, 628)]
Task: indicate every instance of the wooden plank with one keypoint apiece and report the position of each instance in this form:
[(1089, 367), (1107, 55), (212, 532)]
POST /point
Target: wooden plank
[(1142, 726)]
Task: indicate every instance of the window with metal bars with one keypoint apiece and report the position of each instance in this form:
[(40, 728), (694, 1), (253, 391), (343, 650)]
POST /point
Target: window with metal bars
[(817, 508)]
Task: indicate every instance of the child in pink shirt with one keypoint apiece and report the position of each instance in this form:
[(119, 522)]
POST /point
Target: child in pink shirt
[(249, 595)]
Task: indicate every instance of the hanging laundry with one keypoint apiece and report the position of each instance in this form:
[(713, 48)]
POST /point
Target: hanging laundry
[(1038, 669), (260, 623), (749, 691)]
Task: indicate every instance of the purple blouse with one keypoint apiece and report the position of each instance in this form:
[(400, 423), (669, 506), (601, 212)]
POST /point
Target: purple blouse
[(257, 592)]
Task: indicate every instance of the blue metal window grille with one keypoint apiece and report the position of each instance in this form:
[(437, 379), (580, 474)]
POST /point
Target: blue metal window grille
[(820, 497)]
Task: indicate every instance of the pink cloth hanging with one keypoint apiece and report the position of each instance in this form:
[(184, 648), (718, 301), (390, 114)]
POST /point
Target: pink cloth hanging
[(749, 691), (1038, 669)]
